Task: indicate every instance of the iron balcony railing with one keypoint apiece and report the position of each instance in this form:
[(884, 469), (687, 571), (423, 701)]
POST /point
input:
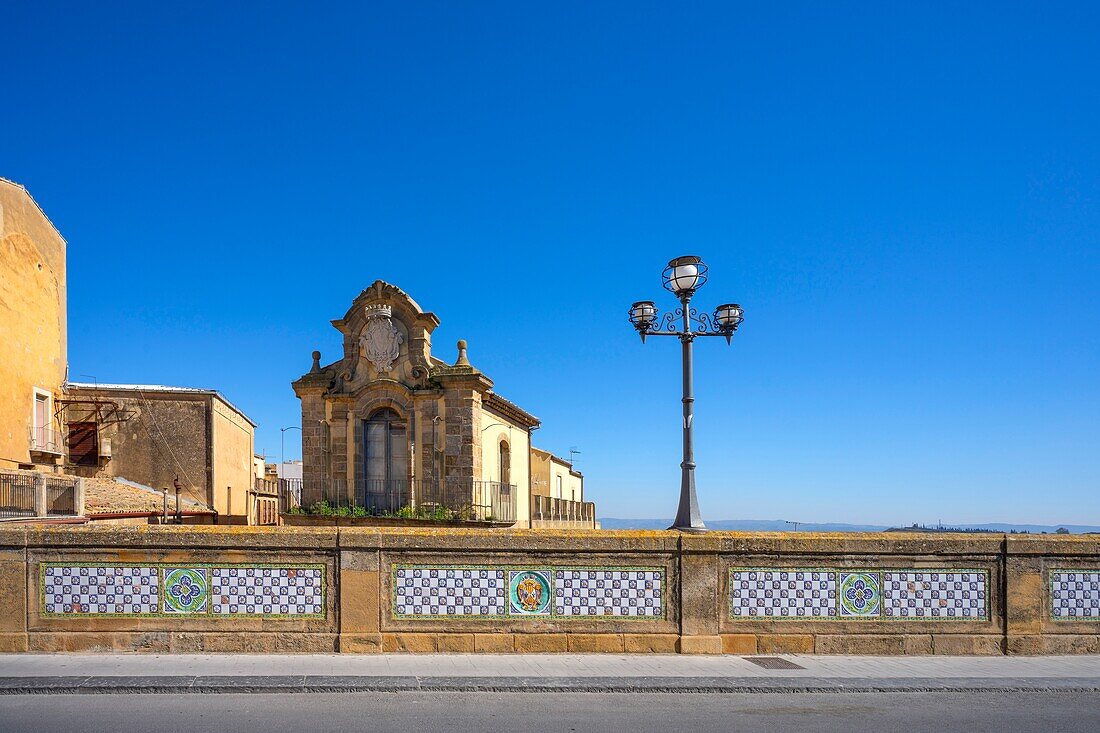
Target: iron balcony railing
[(46, 440), (462, 500)]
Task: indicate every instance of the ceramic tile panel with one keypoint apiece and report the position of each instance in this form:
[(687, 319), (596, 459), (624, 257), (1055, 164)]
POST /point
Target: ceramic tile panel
[(602, 593), (1075, 595), (285, 591), (854, 594), (101, 590), (449, 591), (935, 594), (528, 591), (782, 593), (181, 590)]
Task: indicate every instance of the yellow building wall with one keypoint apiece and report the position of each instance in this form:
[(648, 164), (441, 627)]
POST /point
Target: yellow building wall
[(32, 318), (232, 451), (494, 429), (571, 485), (540, 472)]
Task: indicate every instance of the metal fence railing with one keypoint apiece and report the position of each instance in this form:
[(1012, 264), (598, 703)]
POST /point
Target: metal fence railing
[(462, 500), (60, 497), (28, 494), (16, 495), (564, 512)]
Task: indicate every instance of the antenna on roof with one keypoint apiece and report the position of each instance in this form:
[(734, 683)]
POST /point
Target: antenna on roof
[(573, 451)]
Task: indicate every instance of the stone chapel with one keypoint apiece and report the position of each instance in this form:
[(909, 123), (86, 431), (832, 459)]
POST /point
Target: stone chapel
[(397, 432)]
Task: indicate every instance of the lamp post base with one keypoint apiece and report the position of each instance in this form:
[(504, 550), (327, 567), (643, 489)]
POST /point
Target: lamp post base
[(692, 530)]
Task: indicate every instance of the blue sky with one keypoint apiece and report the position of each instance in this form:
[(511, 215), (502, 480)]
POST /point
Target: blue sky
[(906, 201)]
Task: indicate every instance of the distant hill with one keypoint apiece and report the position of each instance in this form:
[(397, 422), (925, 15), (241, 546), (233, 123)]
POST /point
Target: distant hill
[(779, 525)]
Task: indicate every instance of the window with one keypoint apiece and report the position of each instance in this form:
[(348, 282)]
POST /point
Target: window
[(505, 471), (41, 435), (558, 493), (83, 444)]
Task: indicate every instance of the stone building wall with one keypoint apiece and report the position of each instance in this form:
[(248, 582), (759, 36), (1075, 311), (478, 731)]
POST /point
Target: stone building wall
[(371, 590), (158, 441), (159, 436)]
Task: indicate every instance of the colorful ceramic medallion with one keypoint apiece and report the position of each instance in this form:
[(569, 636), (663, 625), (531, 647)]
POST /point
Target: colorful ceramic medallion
[(185, 590), (529, 592), (859, 594)]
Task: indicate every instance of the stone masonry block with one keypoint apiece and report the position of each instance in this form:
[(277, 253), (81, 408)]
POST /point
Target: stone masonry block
[(541, 643), (700, 644), (494, 643), (785, 644), (967, 644), (739, 643), (651, 643), (595, 643)]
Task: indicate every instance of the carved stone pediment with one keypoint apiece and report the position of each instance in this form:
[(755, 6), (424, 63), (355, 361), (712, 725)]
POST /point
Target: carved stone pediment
[(380, 341)]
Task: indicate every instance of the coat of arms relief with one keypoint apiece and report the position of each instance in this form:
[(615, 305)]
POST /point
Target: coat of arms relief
[(380, 341)]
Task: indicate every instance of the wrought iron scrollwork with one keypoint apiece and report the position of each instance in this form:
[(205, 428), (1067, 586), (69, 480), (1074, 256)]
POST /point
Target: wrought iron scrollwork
[(707, 325), (699, 323), (666, 322)]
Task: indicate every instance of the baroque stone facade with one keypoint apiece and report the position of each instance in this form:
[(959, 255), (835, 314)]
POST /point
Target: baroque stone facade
[(392, 429)]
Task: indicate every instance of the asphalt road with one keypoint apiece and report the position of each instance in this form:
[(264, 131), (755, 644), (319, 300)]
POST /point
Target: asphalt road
[(606, 713)]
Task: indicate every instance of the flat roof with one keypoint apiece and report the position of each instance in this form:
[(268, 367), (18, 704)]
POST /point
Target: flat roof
[(159, 388)]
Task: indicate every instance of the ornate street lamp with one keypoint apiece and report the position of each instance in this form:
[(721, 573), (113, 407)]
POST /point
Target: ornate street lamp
[(682, 277)]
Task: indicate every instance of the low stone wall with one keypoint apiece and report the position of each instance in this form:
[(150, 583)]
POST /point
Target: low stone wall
[(359, 589)]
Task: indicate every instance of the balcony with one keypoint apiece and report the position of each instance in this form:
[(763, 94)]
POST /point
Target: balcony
[(46, 440), (550, 513), (452, 500)]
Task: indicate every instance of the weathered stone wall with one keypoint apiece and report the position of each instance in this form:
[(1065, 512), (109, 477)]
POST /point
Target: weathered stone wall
[(374, 589), (165, 436)]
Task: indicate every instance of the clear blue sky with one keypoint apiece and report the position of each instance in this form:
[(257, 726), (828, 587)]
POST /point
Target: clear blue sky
[(906, 202)]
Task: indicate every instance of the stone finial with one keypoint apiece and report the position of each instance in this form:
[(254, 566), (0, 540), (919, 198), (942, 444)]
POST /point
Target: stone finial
[(462, 360), (316, 362)]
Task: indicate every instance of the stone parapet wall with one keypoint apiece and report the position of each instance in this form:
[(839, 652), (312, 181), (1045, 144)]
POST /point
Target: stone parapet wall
[(365, 589)]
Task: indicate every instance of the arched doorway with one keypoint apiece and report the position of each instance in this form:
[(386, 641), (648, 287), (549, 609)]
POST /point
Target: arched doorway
[(386, 462)]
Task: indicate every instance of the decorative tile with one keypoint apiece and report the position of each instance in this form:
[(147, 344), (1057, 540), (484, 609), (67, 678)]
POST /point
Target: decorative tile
[(453, 591), (197, 589), (859, 594), (529, 592), (1075, 595), (609, 592), (185, 590), (510, 591), (935, 594), (797, 593), (252, 591), (104, 590)]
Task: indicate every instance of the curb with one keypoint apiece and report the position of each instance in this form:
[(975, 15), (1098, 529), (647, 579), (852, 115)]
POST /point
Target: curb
[(207, 684)]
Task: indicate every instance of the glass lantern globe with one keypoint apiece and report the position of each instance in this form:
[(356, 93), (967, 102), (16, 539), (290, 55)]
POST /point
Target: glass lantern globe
[(643, 314), (729, 316), (685, 275)]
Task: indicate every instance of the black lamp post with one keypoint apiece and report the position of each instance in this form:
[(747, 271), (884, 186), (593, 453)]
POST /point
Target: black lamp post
[(682, 277)]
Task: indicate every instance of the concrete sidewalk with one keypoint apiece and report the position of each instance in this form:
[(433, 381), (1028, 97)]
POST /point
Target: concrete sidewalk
[(60, 673)]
